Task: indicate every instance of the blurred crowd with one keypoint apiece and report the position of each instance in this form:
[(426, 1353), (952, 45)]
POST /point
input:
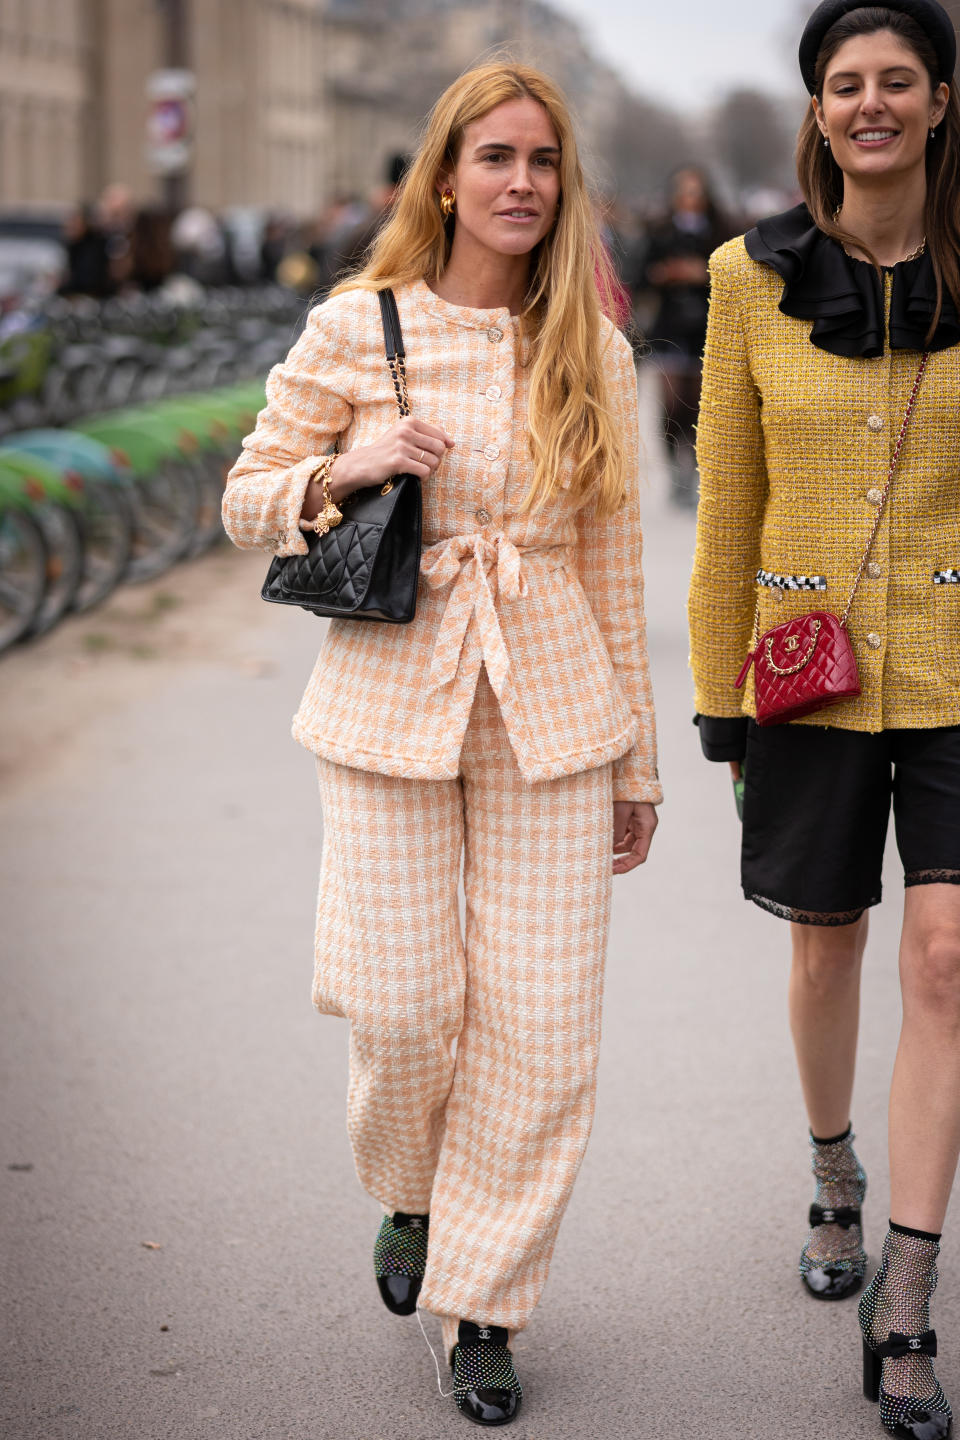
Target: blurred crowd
[(114, 247), (659, 247), (661, 254)]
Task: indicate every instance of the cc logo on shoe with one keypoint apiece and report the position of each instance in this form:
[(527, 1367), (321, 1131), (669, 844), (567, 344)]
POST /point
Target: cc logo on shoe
[(484, 1334), (829, 1216), (915, 1344)]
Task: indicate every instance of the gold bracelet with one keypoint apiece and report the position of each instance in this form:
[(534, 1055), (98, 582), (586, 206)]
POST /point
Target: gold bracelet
[(330, 516)]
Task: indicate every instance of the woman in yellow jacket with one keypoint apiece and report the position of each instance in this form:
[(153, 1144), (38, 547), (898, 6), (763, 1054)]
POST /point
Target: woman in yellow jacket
[(507, 729), (818, 320)]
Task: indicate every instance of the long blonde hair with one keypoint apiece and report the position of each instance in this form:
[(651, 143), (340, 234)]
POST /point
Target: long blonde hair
[(570, 286)]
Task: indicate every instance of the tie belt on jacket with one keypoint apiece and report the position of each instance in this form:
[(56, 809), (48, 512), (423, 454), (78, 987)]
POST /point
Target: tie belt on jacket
[(471, 562)]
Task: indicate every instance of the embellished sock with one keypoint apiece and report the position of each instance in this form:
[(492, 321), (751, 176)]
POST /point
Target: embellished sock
[(841, 1186), (897, 1304)]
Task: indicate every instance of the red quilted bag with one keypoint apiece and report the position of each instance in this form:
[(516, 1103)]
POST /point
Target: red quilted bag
[(808, 663), (801, 666)]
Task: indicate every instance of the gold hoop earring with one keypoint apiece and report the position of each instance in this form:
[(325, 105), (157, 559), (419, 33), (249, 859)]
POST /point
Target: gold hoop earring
[(447, 201)]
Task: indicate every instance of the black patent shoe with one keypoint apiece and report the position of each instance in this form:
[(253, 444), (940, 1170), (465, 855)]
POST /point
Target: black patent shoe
[(904, 1416), (400, 1259), (834, 1282), (485, 1384)]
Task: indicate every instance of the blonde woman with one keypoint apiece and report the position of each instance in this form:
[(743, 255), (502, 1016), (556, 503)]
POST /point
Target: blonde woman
[(506, 733)]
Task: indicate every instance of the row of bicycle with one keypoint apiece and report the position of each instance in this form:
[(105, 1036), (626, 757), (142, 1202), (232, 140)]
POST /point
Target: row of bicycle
[(63, 359), (120, 496)]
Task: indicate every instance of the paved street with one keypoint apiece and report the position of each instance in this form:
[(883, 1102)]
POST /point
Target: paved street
[(186, 1248)]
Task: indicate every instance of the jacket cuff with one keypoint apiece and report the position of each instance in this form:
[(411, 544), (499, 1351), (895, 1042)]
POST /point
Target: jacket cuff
[(290, 538), (723, 737), (634, 783)]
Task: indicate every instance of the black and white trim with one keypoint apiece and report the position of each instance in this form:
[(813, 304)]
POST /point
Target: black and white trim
[(791, 582), (946, 577)]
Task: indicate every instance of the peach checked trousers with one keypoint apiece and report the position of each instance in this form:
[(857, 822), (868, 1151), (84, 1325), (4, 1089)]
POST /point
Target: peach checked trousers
[(473, 1049)]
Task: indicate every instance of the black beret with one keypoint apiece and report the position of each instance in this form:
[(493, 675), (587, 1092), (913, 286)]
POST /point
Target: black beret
[(931, 17)]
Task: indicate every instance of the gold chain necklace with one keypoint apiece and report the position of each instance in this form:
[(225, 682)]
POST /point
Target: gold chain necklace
[(914, 254)]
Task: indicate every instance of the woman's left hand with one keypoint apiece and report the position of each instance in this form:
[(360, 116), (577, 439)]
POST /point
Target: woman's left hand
[(633, 827)]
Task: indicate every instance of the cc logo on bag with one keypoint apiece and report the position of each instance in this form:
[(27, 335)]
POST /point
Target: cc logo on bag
[(791, 643)]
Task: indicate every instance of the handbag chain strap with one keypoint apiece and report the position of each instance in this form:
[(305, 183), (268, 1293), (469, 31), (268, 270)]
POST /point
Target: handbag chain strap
[(396, 358), (398, 369), (881, 506), (394, 347)]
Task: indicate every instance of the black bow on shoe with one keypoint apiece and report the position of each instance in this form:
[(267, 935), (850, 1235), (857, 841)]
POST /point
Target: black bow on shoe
[(843, 1215), (898, 1347)]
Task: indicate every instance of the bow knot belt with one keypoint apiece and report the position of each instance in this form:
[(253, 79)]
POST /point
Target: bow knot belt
[(470, 563)]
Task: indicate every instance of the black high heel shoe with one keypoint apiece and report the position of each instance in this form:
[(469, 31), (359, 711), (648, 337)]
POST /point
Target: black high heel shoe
[(485, 1384), (400, 1259), (833, 1261), (897, 1369)]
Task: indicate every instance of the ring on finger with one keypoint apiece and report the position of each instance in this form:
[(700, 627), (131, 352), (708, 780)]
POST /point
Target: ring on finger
[(420, 460)]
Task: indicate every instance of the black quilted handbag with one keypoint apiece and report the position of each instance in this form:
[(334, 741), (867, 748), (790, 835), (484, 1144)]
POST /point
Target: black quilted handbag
[(367, 567)]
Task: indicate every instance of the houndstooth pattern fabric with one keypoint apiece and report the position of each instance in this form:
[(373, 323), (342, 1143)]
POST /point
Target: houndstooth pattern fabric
[(791, 582), (472, 1056), (794, 447), (550, 604), (946, 577)]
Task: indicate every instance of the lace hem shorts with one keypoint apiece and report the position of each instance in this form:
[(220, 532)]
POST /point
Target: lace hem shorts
[(816, 807)]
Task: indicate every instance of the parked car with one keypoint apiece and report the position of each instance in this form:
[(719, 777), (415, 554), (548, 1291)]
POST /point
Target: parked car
[(32, 255)]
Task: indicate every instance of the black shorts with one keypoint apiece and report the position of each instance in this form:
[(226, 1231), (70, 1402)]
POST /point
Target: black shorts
[(815, 810)]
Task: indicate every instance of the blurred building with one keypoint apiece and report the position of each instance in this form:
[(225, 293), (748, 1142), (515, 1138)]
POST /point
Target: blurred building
[(295, 102), (376, 106), (46, 109)]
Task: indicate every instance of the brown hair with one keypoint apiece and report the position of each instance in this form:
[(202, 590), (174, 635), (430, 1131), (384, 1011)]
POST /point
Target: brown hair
[(570, 415), (821, 178)]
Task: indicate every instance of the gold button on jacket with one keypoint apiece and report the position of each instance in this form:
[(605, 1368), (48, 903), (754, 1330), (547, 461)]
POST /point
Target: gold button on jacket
[(786, 461)]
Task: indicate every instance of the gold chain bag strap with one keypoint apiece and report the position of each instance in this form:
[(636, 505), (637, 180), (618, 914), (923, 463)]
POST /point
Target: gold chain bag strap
[(808, 663)]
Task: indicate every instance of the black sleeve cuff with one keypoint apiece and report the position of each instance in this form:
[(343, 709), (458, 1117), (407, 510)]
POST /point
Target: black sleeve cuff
[(723, 737)]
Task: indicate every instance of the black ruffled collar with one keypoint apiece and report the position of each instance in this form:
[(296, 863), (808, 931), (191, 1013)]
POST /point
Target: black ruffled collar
[(844, 297)]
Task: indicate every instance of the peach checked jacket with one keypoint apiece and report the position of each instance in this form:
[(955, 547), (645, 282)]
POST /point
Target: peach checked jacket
[(551, 603)]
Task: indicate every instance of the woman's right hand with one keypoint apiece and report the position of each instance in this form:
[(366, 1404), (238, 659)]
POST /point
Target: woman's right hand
[(410, 447)]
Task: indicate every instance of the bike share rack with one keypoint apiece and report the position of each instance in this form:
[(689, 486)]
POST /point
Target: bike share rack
[(119, 496)]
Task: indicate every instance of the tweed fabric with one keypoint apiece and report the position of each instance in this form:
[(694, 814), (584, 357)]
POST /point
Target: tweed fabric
[(550, 604), (794, 445), (473, 1051)]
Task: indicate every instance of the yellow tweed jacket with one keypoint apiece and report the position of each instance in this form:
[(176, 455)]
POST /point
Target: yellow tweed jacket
[(551, 603), (793, 446)]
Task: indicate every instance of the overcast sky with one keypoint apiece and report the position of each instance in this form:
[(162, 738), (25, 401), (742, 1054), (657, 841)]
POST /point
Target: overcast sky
[(689, 52)]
